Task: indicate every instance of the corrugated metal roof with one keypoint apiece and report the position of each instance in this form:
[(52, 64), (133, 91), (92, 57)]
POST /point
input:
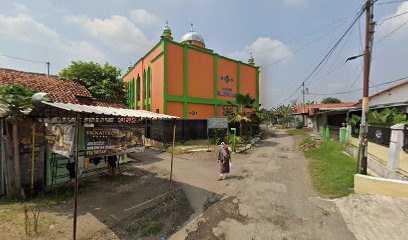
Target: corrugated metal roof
[(107, 111)]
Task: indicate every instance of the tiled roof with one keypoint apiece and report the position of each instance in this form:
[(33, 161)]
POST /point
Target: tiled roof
[(100, 102), (59, 89), (310, 107)]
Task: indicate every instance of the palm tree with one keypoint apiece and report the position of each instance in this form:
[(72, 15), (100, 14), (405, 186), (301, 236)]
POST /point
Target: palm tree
[(16, 99), (242, 102)]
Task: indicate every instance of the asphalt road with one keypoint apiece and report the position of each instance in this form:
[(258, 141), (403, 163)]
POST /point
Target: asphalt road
[(267, 196)]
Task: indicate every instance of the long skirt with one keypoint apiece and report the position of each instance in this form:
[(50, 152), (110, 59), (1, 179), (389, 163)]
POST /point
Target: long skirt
[(224, 166)]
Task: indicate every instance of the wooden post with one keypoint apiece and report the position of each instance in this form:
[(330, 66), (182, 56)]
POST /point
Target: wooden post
[(76, 176), (172, 155), (32, 159), (16, 154)]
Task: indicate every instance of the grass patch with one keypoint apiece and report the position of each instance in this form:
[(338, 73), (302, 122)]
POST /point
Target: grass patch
[(153, 229), (331, 171), (296, 132)]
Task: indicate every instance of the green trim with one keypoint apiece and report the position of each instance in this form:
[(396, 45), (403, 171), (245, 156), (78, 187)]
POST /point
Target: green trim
[(257, 89), (185, 71), (239, 78), (154, 48), (216, 109), (174, 98), (192, 47), (185, 111), (157, 57), (165, 75), (215, 76)]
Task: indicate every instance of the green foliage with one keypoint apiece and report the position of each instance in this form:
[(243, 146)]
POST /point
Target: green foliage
[(16, 99), (217, 136), (307, 139), (241, 103), (354, 121), (153, 229), (330, 100), (295, 132), (387, 116), (331, 170), (283, 113), (103, 82)]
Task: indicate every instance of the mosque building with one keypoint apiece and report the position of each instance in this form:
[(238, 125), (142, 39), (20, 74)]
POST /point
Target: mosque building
[(187, 79)]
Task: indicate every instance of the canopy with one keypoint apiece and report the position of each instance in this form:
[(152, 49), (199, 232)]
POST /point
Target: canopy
[(46, 109)]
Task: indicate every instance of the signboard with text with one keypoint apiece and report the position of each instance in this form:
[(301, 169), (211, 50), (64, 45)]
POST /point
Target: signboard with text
[(105, 140), (217, 122)]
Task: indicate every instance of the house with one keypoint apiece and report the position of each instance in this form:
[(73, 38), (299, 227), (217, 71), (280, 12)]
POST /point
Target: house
[(59, 90), (317, 115)]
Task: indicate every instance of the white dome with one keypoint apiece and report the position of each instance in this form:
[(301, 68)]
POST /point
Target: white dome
[(192, 36)]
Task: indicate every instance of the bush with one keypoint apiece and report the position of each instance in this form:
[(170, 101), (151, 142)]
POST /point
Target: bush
[(217, 136)]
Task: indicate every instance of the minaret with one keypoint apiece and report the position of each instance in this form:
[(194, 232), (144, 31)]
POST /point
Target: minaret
[(251, 60), (167, 31)]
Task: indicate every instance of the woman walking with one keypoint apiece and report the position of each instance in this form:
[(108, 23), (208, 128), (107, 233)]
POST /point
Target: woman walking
[(224, 159)]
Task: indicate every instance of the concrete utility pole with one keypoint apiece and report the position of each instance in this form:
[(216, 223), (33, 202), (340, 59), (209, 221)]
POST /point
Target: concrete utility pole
[(303, 92), (369, 34)]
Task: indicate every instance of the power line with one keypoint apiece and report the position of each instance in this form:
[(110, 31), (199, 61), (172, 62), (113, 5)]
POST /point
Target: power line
[(356, 90), (389, 18), (392, 32), (391, 2), (22, 59), (325, 58), (340, 21)]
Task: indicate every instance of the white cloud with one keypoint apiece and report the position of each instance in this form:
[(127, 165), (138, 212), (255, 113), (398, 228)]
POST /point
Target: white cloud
[(141, 16), (394, 23), (24, 28), (117, 32), (266, 51)]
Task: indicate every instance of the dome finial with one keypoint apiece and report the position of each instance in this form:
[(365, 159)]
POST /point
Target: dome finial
[(192, 27), (167, 31), (251, 60)]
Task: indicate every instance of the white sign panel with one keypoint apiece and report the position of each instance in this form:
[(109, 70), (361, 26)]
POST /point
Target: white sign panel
[(217, 122)]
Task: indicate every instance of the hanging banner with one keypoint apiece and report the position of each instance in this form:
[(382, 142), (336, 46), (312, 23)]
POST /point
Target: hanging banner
[(105, 141), (60, 138)]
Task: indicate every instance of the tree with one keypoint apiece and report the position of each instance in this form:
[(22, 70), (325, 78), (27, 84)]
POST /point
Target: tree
[(242, 102), (283, 113), (103, 82), (330, 100), (16, 99)]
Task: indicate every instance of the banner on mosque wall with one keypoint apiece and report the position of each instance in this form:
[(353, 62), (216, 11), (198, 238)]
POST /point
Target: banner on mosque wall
[(105, 141), (60, 138)]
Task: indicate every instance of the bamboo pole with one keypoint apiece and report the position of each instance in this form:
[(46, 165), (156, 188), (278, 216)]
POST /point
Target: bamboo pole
[(76, 177), (32, 159)]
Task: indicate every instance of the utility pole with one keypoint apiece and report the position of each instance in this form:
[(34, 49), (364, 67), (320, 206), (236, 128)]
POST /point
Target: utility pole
[(48, 68), (369, 34), (303, 93)]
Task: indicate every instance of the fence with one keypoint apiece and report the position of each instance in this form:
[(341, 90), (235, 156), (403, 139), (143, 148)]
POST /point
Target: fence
[(379, 134), (162, 130)]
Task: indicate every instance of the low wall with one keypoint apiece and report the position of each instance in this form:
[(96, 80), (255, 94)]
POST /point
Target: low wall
[(404, 161), (154, 144), (380, 152), (381, 186)]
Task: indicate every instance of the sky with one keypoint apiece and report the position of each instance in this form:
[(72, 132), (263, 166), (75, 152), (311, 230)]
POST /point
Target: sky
[(288, 38)]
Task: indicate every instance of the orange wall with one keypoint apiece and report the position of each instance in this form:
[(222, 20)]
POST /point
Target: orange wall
[(200, 111), (175, 109), (138, 69), (158, 85), (200, 74), (230, 69), (175, 73), (248, 80)]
